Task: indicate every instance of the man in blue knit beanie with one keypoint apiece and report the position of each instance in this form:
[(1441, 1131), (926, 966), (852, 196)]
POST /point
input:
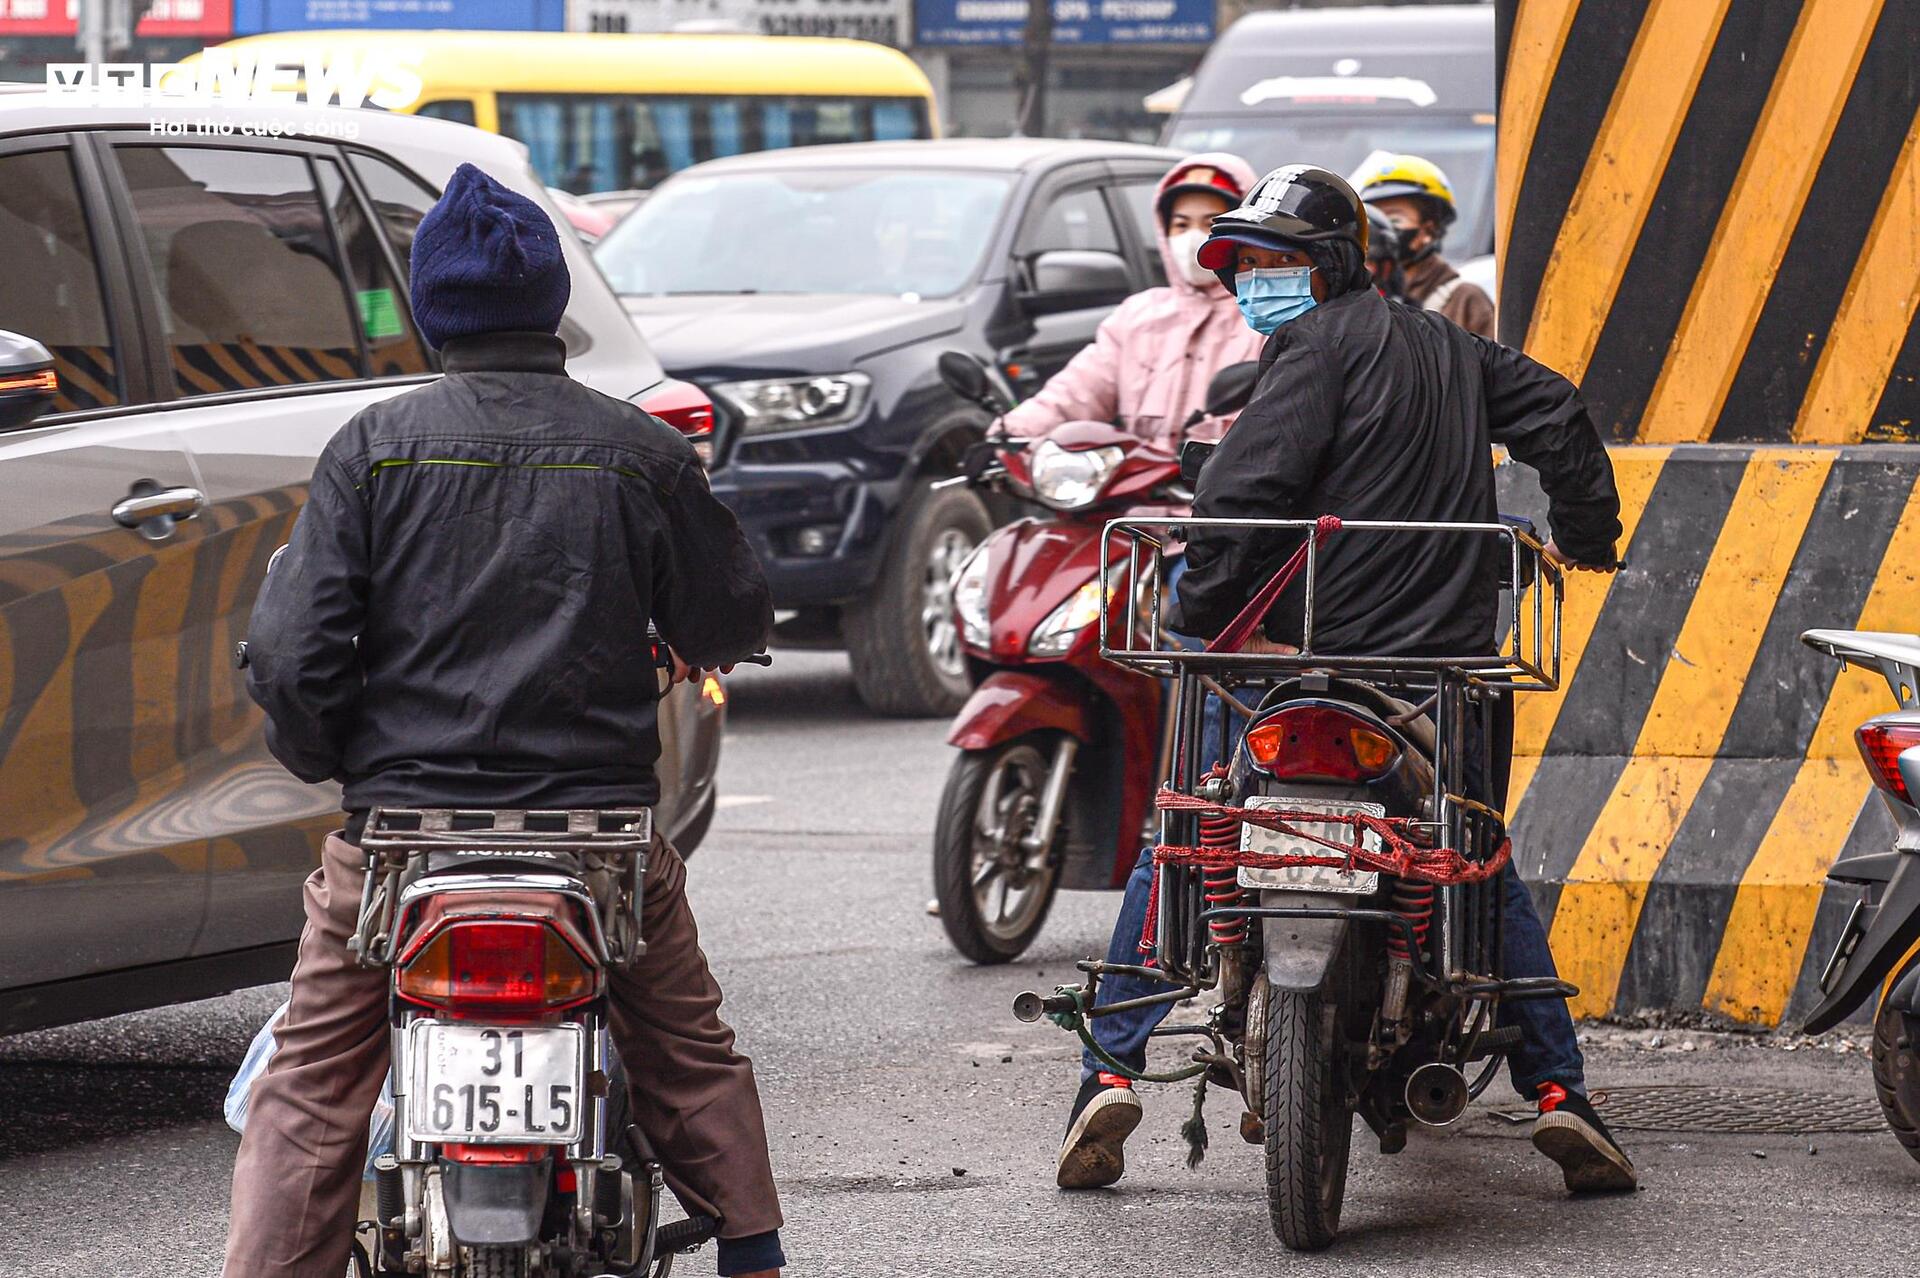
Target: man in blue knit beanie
[(460, 621)]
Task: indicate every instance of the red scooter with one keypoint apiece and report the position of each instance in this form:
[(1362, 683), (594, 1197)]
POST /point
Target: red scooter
[(1059, 750)]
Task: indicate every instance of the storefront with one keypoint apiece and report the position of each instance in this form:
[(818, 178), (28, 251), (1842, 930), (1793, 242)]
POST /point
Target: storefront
[(1104, 58)]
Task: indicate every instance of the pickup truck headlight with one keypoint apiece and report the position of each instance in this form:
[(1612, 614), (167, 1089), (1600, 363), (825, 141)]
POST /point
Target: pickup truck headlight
[(796, 403)]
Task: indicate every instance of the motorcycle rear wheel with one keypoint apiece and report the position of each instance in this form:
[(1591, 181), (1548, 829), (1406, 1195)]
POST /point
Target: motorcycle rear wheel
[(1896, 1072), (990, 802), (498, 1262), (1309, 1128)]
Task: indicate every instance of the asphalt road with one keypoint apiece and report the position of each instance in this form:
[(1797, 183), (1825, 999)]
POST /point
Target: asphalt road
[(913, 1121)]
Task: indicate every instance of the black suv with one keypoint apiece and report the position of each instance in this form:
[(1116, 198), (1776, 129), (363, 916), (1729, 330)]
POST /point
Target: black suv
[(809, 292)]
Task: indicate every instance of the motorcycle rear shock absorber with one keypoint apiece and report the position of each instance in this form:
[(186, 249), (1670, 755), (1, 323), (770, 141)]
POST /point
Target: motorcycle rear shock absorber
[(1414, 902), (1221, 884)]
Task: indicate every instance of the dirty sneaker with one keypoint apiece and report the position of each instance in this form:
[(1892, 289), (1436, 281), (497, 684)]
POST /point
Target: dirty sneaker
[(1571, 1134), (1104, 1114)]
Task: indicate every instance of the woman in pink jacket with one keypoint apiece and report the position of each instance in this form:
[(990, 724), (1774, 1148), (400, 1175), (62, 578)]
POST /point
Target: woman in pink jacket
[(1148, 367)]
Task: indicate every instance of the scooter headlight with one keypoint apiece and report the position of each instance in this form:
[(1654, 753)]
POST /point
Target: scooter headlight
[(970, 601), (1063, 627), (1068, 478)]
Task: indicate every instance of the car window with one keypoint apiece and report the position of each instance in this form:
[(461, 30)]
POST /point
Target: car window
[(250, 293), (1074, 220), (1140, 199), (393, 348), (399, 200), (52, 291), (459, 110)]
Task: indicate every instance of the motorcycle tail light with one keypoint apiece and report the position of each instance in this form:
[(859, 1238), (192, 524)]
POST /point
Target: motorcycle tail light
[(497, 963), (1881, 745), (1320, 743)]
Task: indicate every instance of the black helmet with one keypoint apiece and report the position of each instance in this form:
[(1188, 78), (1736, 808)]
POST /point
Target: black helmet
[(1297, 206), (1383, 237)]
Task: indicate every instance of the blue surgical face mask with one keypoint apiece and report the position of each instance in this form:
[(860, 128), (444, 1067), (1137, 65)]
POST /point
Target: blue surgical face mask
[(1269, 298)]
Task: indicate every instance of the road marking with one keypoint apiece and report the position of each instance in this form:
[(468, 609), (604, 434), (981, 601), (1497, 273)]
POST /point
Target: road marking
[(1599, 907), (1758, 218), (726, 801), (1774, 911), (1623, 171)]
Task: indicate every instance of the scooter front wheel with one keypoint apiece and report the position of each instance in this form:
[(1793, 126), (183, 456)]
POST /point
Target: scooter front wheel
[(994, 890)]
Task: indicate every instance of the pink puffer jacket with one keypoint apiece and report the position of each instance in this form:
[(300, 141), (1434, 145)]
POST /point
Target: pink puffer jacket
[(1148, 367)]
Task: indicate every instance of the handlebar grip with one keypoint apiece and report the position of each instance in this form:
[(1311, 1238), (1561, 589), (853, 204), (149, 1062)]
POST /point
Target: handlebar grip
[(758, 659), (685, 1235)]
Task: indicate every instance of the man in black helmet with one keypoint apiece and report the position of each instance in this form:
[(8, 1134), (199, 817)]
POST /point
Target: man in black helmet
[(1371, 411)]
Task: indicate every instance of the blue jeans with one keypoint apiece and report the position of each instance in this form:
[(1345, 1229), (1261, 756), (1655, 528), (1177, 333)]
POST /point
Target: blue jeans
[(1548, 1049)]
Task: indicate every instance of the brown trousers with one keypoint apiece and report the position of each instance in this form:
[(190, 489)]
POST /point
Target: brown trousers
[(296, 1181)]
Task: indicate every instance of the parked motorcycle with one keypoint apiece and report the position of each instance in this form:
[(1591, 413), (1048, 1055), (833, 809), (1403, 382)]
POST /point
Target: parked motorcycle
[(1059, 750), (1332, 882), (1877, 947)]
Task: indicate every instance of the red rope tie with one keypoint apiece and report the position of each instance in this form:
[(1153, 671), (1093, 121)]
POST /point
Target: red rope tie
[(1400, 855), (1241, 628)]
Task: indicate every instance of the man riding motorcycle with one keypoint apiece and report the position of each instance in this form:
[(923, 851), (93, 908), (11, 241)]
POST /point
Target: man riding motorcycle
[(460, 620), (1148, 366), (1372, 411), (1417, 197)]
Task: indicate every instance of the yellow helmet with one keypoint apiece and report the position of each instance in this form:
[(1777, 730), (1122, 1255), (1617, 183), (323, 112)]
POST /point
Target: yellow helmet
[(1408, 175)]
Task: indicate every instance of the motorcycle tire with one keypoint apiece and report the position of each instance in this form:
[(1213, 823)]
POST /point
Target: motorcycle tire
[(958, 840), (1896, 1073), (1309, 1128), (901, 639), (499, 1262)]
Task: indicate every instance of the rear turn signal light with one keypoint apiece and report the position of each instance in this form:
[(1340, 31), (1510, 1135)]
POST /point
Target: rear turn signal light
[(497, 963), (1320, 743), (1881, 745)]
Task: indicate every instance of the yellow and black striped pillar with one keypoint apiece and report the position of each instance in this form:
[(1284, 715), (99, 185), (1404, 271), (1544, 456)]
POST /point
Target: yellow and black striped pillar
[(1710, 218)]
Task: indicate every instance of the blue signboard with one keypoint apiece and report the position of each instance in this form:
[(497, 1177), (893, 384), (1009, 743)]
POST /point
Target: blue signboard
[(1074, 21), (252, 16)]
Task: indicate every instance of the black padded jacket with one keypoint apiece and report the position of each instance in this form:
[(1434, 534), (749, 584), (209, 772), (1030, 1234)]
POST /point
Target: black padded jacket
[(460, 617)]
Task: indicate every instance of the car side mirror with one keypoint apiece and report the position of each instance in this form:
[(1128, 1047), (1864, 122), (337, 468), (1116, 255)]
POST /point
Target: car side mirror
[(1193, 455), (1073, 279), (964, 376), (1232, 387), (28, 383)]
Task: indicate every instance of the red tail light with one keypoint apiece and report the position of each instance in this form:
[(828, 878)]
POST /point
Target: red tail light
[(687, 409), (1320, 743), (1881, 745), (497, 963)]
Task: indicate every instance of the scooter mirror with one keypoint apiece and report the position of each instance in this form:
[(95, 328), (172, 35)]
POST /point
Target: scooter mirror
[(1193, 455), (965, 377), (1229, 390)]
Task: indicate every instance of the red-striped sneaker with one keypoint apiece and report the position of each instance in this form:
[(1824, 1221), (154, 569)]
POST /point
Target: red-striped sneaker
[(1571, 1134), (1104, 1114)]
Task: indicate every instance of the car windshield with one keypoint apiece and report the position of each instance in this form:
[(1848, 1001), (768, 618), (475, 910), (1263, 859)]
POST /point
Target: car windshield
[(1461, 147), (918, 234)]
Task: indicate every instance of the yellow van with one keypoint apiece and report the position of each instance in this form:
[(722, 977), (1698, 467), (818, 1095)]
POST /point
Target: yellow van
[(607, 112)]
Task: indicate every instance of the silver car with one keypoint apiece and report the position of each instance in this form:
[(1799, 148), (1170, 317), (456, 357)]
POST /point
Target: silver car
[(216, 304)]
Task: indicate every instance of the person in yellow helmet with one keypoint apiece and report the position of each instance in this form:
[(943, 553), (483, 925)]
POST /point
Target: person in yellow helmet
[(1417, 198)]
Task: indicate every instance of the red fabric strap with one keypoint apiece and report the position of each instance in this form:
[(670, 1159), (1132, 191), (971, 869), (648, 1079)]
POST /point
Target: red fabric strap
[(1242, 627)]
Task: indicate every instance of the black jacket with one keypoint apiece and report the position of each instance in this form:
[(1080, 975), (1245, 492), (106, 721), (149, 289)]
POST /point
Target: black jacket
[(1371, 410), (497, 541)]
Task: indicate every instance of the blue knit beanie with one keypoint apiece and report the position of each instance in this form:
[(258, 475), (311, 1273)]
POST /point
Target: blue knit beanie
[(485, 260)]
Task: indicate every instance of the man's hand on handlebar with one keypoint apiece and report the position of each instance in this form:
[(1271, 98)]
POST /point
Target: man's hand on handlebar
[(1560, 559)]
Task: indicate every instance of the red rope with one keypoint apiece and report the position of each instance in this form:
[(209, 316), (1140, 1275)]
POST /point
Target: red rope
[(1400, 855), (1241, 628)]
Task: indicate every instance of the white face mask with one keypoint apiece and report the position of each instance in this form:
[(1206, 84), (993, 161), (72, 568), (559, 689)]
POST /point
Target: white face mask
[(1186, 254)]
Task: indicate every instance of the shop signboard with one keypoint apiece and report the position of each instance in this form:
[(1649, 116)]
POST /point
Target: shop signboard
[(251, 16), (1133, 22), (164, 19), (881, 21)]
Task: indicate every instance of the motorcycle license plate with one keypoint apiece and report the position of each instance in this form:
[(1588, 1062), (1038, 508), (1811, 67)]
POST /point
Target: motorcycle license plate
[(494, 1085), (1307, 878)]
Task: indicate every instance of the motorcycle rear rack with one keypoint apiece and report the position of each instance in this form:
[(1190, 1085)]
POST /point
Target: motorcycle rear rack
[(610, 846), (1132, 562)]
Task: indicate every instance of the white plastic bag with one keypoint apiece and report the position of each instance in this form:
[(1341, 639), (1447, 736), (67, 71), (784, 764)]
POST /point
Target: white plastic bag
[(254, 1064)]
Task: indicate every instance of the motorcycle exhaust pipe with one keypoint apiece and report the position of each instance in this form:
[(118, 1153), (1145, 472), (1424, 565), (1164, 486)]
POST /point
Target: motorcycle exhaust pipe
[(1436, 1094)]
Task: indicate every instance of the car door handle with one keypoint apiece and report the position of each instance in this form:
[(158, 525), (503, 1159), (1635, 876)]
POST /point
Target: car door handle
[(169, 504)]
